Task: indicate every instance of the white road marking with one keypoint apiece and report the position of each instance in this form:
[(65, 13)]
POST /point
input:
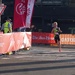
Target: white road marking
[(5, 58), (22, 56)]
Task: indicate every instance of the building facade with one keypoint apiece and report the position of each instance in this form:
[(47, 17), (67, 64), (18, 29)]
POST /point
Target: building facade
[(48, 11)]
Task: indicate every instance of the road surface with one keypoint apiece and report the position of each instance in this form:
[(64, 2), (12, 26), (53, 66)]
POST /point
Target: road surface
[(39, 60)]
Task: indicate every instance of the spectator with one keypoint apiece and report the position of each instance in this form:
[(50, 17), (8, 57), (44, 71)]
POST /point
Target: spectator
[(7, 26)]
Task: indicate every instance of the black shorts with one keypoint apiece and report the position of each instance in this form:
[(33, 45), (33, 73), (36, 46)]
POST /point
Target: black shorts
[(57, 38)]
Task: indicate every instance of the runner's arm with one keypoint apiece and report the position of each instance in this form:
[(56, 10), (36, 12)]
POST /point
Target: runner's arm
[(52, 31)]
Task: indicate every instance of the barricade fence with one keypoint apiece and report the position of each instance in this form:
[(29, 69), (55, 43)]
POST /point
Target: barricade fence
[(44, 38), (18, 40), (67, 39), (14, 41), (48, 38)]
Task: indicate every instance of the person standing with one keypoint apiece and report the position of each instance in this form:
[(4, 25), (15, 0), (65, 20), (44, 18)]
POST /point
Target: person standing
[(56, 31), (7, 26)]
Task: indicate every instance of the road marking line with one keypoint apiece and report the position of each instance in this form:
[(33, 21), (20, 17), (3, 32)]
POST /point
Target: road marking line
[(5, 58), (22, 56)]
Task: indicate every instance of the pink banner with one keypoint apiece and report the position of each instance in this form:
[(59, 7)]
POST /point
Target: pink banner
[(44, 38), (30, 7), (20, 11)]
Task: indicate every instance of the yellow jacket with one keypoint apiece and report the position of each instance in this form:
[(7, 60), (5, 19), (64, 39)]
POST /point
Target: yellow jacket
[(7, 27)]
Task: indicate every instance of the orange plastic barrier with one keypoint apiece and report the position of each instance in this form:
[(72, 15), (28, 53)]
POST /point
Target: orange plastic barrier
[(14, 41), (67, 39)]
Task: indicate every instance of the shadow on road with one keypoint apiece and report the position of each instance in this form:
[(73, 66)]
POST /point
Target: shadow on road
[(37, 69), (40, 68), (37, 62)]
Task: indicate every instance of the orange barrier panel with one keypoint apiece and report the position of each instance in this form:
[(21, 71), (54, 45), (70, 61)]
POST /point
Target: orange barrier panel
[(67, 39), (45, 38), (14, 41)]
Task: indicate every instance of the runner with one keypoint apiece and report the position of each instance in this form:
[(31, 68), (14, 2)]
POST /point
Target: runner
[(56, 31)]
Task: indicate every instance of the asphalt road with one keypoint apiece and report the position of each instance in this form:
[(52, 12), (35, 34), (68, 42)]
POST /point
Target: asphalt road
[(39, 60)]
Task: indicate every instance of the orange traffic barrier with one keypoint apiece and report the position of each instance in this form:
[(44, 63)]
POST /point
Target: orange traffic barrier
[(68, 39)]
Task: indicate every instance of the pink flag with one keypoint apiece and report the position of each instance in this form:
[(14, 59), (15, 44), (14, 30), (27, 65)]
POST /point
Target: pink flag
[(20, 13), (30, 7), (23, 10)]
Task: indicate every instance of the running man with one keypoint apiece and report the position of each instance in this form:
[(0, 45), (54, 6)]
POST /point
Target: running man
[(56, 31)]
